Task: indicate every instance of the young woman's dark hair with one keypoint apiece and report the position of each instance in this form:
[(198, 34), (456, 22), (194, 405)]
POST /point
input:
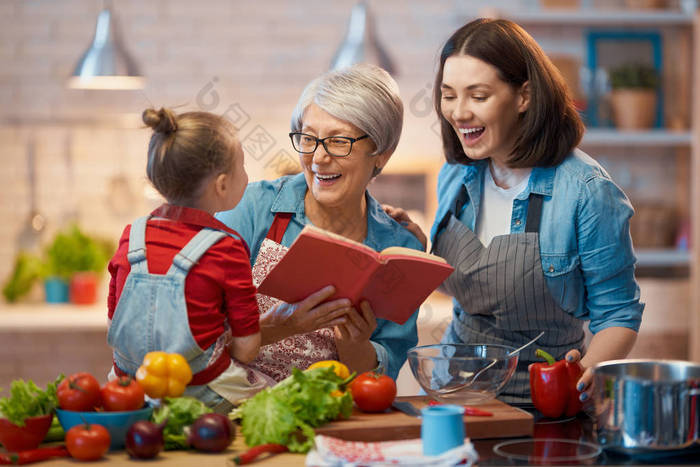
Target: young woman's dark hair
[(551, 127), (185, 150)]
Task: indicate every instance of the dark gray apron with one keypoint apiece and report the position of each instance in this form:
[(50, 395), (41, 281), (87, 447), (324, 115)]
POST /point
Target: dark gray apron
[(503, 293)]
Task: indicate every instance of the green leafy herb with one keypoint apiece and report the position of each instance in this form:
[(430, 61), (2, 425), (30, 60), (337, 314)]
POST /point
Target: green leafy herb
[(288, 412), (27, 271), (73, 251), (28, 400), (69, 252), (634, 75), (180, 412)]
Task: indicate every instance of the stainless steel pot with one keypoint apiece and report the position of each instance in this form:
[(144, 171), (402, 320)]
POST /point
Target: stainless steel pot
[(644, 405)]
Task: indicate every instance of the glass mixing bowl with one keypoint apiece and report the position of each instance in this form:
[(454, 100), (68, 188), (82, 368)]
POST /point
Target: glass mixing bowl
[(446, 371)]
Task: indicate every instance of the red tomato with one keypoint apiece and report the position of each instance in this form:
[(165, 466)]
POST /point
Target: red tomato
[(79, 392), (124, 393), (87, 442), (373, 392)]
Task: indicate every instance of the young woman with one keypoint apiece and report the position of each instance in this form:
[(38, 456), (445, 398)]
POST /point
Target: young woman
[(537, 231)]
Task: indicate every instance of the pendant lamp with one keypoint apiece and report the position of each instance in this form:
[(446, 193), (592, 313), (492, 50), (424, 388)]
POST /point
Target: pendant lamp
[(106, 64), (360, 44)]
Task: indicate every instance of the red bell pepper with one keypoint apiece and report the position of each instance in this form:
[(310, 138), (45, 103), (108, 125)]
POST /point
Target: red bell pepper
[(553, 386)]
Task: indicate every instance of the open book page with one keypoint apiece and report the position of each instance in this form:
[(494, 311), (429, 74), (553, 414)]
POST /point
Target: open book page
[(399, 286), (403, 251)]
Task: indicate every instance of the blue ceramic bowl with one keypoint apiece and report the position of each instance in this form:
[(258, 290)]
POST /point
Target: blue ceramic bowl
[(117, 423)]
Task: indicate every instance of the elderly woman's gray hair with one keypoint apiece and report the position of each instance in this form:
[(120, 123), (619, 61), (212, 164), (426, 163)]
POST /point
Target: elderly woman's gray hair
[(363, 95)]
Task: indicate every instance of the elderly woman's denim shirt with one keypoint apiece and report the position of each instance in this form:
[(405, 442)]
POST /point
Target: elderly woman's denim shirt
[(253, 217), (585, 244)]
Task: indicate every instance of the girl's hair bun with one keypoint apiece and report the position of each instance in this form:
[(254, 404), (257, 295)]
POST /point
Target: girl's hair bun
[(162, 121)]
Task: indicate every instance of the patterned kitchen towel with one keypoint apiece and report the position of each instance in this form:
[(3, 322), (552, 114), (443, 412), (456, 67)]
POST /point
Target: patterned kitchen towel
[(329, 451)]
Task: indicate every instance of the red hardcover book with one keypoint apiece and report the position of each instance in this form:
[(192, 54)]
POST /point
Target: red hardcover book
[(394, 281)]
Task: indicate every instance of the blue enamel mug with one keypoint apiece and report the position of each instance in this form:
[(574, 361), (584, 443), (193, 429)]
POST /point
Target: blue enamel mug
[(442, 428)]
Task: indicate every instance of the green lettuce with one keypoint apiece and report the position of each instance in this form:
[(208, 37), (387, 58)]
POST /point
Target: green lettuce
[(288, 412), (26, 400), (180, 412)]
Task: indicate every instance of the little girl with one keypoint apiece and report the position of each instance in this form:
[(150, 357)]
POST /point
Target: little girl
[(180, 279)]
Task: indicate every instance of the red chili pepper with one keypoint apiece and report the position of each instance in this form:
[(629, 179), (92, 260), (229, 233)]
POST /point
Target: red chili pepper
[(474, 412), (33, 455), (251, 454), (468, 410), (553, 386)]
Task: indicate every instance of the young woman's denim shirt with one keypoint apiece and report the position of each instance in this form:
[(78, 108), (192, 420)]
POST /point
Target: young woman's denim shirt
[(585, 244), (253, 217)]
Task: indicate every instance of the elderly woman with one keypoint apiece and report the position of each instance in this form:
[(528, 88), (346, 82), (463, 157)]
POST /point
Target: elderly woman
[(345, 127)]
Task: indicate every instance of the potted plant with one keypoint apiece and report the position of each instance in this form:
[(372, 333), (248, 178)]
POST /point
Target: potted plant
[(72, 262), (68, 267), (633, 96)]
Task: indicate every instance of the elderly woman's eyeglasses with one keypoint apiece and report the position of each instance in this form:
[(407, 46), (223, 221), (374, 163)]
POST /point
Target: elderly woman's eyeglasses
[(338, 146)]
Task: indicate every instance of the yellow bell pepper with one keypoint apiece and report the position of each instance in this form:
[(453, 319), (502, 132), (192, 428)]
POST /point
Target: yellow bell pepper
[(164, 374), (339, 368)]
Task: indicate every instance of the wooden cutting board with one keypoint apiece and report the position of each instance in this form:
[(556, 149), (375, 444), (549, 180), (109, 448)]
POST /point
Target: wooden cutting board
[(507, 421)]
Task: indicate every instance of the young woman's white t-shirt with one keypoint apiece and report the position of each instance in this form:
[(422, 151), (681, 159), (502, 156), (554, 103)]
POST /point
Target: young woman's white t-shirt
[(497, 203)]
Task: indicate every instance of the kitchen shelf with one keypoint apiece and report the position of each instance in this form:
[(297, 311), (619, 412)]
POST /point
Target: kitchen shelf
[(666, 263), (647, 138), (53, 317), (663, 257), (598, 17)]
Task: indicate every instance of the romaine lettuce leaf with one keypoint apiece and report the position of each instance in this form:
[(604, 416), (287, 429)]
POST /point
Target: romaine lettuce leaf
[(268, 419), (288, 412), (28, 400)]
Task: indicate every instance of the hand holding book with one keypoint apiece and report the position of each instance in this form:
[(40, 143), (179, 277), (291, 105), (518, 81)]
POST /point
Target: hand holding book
[(316, 311), (394, 281)]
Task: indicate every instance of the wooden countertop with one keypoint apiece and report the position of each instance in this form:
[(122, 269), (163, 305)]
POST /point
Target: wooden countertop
[(506, 421), (185, 458)]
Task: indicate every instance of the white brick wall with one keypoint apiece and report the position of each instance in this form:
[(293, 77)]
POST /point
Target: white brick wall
[(261, 60)]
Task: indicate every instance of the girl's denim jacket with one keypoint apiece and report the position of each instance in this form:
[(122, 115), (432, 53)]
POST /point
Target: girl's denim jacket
[(585, 244)]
